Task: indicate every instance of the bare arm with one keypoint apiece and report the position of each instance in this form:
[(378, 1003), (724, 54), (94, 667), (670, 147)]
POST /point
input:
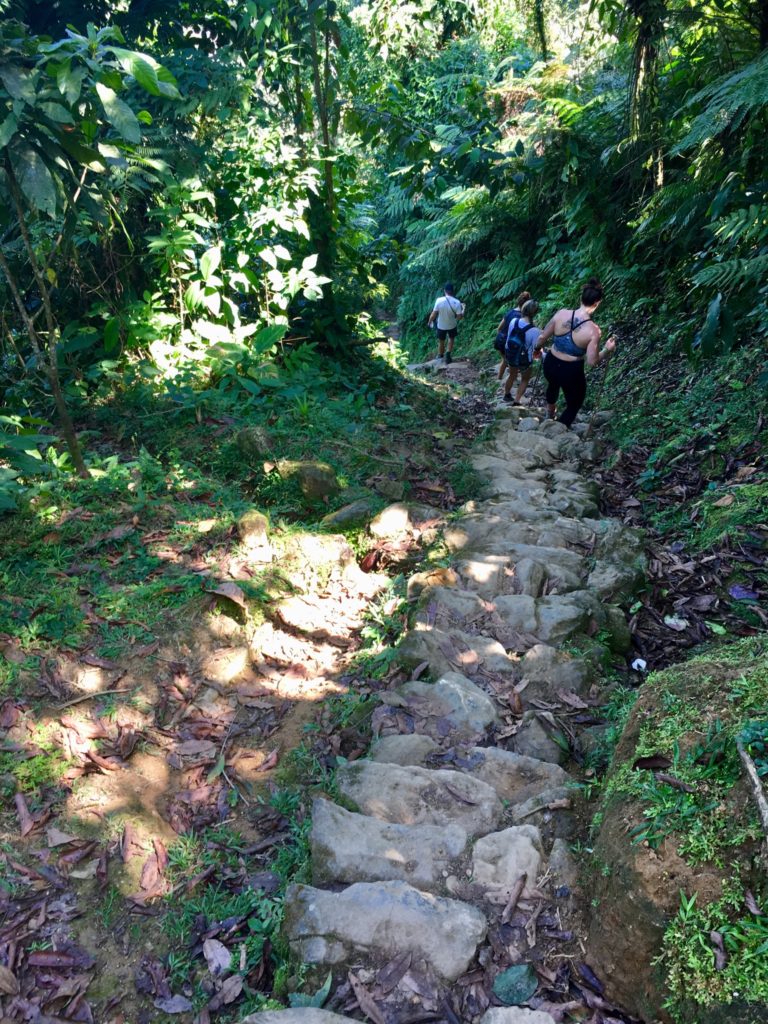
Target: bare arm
[(595, 355), (545, 335), (501, 325), (432, 317)]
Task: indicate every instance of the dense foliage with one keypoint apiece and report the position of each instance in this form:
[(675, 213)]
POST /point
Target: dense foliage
[(197, 196)]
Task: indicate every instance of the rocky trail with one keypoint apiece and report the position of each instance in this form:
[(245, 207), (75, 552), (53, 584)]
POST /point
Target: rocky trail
[(443, 885)]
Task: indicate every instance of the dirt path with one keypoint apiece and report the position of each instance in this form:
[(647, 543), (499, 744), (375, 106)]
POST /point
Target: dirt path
[(443, 883)]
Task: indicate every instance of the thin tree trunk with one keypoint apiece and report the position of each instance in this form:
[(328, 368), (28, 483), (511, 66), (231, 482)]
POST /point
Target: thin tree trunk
[(48, 358)]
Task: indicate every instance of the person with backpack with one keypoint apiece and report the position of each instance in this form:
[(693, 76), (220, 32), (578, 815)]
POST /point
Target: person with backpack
[(575, 340), (447, 312), (500, 341), (522, 336)]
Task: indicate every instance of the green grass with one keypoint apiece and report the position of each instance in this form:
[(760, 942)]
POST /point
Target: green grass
[(694, 980)]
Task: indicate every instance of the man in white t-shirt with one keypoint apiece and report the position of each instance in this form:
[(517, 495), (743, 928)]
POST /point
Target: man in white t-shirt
[(448, 311)]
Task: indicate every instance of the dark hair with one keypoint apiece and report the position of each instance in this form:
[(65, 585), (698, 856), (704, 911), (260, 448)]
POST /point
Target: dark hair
[(592, 292), (530, 309), (448, 288), (522, 298)]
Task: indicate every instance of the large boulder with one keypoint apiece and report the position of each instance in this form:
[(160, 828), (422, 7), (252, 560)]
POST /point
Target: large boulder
[(403, 519), (454, 702), (499, 859), (349, 515), (547, 671), (379, 920), (452, 650)]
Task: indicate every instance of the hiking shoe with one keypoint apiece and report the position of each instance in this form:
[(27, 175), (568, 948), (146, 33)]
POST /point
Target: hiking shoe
[(448, 358), (508, 398)]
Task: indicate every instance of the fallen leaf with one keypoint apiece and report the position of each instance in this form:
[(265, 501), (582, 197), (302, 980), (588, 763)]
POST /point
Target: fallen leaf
[(228, 992), (232, 592), (56, 837), (752, 904), (217, 956), (676, 622), (652, 761), (97, 662), (725, 502), (25, 818), (740, 593), (365, 1000), (173, 1004), (118, 533), (721, 959), (9, 984)]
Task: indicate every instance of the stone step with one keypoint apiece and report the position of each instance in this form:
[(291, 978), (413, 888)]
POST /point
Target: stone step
[(453, 706), (453, 650), (516, 778), (420, 796), (374, 920), (348, 847)]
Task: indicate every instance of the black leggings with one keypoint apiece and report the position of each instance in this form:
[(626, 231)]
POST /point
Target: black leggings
[(570, 377)]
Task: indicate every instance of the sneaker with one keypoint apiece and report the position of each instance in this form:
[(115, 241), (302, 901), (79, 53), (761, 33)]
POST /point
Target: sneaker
[(448, 358), (508, 398)]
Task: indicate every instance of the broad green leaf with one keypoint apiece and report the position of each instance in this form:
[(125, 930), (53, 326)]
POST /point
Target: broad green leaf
[(267, 337), (209, 262), (112, 334), (7, 130), (151, 76), (217, 769), (269, 257), (119, 114), (70, 81), (82, 154), (35, 180), (57, 113), (193, 296), (310, 262), (282, 253), (212, 300), (18, 82)]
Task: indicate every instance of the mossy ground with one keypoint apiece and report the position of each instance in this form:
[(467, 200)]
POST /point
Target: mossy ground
[(699, 803)]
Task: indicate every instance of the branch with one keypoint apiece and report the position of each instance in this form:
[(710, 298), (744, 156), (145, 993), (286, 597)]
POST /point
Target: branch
[(756, 786)]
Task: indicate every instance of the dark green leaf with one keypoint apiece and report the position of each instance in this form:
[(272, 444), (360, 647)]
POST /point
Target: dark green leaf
[(516, 985), (18, 83), (7, 129), (119, 114), (35, 180)]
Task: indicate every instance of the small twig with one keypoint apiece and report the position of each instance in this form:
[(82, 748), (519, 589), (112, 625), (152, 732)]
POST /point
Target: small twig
[(368, 455), (556, 805), (91, 696), (756, 786), (514, 896)]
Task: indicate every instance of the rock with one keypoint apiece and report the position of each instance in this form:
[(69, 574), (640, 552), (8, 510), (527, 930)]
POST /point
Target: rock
[(611, 580), (484, 575), (562, 616), (515, 777), (456, 699), (309, 556), (300, 1015), (618, 627), (448, 607), (552, 428), (499, 859), (349, 847), (530, 577), (439, 577), (255, 443), (419, 796), (509, 1015), (454, 651), (409, 749), (393, 490), (562, 865), (349, 515), (253, 528), (546, 671), (317, 480), (528, 423), (518, 612), (402, 519), (379, 920), (533, 740)]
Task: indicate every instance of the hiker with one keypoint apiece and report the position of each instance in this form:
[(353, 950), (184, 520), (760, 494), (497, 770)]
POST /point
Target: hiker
[(447, 312), (575, 338), (502, 330), (519, 350)]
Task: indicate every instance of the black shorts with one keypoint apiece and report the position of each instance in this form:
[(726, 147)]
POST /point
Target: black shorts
[(442, 335)]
